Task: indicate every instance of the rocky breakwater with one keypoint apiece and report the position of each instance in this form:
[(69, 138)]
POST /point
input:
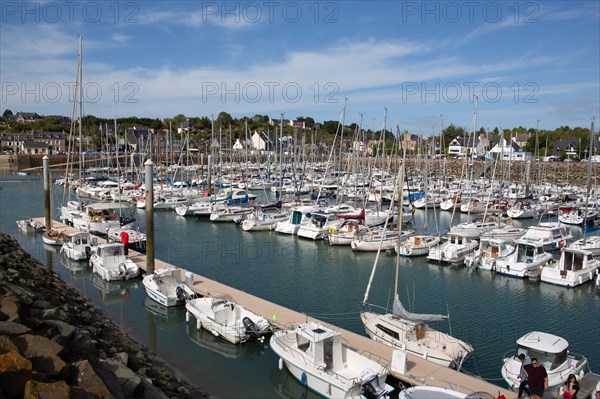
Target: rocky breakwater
[(54, 344)]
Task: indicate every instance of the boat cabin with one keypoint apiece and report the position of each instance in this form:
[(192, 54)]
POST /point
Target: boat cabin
[(550, 350), (321, 345), (573, 260), (527, 252)]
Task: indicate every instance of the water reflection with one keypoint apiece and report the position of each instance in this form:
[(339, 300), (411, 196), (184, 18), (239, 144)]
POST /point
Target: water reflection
[(165, 318), (205, 339), (286, 386), (78, 269), (112, 292)]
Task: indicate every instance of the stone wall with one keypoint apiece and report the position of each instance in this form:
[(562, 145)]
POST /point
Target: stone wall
[(55, 344)]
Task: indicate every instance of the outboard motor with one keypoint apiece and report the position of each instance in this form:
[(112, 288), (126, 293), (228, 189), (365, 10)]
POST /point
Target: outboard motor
[(181, 295), (251, 328), (122, 270), (88, 251), (369, 382)]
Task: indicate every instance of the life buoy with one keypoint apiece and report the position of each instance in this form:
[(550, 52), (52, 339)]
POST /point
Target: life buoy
[(331, 230), (561, 242)]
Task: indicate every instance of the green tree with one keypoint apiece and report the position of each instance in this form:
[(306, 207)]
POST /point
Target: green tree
[(7, 112)]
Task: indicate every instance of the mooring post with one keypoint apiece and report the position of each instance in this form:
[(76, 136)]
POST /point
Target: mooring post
[(149, 216), (47, 210)]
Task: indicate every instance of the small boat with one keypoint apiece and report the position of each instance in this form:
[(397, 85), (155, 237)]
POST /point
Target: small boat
[(319, 225), (417, 245), (229, 214), (53, 237), (376, 238), (489, 251), (317, 357), (552, 352), (109, 261), (551, 235), (526, 261), (575, 267), (227, 319), (263, 219), (29, 226), (77, 246), (300, 215), (454, 250), (578, 216), (430, 392), (98, 217), (136, 239), (165, 287), (588, 243), (344, 233)]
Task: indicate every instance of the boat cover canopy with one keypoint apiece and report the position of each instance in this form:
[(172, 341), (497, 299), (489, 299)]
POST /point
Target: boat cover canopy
[(400, 311)]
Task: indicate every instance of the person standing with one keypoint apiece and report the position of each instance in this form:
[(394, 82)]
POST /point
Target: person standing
[(125, 241), (523, 376), (537, 378)]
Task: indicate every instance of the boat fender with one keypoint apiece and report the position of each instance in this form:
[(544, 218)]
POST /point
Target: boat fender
[(331, 230), (303, 379), (561, 243), (280, 364)]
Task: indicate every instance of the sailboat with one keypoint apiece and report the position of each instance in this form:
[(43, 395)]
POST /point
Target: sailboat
[(409, 331)]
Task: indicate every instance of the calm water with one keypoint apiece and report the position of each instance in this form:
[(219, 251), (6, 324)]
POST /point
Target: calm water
[(488, 311)]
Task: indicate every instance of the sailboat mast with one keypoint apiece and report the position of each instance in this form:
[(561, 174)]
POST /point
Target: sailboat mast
[(400, 201), (589, 179), (80, 94)]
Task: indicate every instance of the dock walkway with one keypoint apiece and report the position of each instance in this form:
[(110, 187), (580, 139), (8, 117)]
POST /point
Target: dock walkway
[(419, 371)]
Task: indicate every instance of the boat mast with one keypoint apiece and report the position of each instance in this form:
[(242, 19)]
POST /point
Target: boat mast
[(400, 200), (80, 94), (589, 180)]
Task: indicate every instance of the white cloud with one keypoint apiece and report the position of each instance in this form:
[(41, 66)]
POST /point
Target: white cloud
[(120, 38)]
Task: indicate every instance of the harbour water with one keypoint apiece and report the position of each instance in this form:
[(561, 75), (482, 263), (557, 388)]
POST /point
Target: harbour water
[(488, 311)]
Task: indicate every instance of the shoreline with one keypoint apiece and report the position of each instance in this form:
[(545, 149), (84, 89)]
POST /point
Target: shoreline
[(54, 340)]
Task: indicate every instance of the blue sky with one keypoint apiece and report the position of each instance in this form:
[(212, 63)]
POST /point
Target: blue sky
[(526, 61)]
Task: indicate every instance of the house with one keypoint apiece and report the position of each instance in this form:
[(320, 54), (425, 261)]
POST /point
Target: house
[(138, 137), (262, 141), (566, 148), (53, 142), (34, 148), (410, 141), (458, 147), (508, 151), (27, 117), (521, 139), (288, 122), (238, 145)]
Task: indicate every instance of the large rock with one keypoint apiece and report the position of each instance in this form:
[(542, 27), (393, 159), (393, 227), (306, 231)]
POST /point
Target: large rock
[(42, 352), (15, 371), (6, 345), (94, 380), (10, 307), (65, 330), (11, 328), (152, 392), (130, 382), (24, 295), (41, 390)]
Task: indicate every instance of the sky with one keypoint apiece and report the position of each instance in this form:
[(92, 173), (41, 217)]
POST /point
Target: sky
[(418, 65)]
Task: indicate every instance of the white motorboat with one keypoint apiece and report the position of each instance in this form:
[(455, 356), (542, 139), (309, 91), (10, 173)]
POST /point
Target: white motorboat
[(450, 204), (165, 287), (505, 232), (169, 202), (299, 216), (475, 228), (319, 225), (454, 250), (317, 357), (77, 246), (575, 267), (29, 226), (552, 352), (431, 392), (526, 261), (551, 235), (225, 318), (417, 245), (376, 238), (109, 261), (588, 243), (489, 251)]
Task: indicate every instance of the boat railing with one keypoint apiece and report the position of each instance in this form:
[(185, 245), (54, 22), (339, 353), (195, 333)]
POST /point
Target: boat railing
[(430, 381)]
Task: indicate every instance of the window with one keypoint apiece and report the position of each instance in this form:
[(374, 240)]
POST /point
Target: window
[(388, 331)]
